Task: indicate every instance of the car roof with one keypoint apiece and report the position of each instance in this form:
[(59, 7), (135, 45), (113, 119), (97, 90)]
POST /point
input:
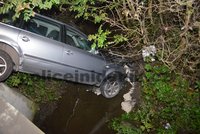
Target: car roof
[(48, 18)]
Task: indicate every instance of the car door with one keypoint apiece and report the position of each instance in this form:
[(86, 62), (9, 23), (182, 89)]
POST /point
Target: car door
[(86, 67), (41, 46)]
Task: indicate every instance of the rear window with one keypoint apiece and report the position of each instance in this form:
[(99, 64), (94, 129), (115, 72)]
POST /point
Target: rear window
[(44, 28), (7, 18)]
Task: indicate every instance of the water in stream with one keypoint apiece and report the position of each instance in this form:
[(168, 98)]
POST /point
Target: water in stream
[(80, 112)]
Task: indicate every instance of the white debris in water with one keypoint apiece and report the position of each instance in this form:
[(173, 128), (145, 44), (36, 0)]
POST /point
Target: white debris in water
[(127, 96), (149, 51), (128, 103), (96, 90), (127, 106)]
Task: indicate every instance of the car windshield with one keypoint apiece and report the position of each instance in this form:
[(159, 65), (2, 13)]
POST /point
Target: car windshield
[(75, 40), (85, 44)]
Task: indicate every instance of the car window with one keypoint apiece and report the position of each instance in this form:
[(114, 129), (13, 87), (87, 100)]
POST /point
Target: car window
[(7, 18), (75, 40), (85, 44), (43, 28)]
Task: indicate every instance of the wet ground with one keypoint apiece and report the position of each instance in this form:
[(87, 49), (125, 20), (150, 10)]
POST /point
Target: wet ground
[(79, 112)]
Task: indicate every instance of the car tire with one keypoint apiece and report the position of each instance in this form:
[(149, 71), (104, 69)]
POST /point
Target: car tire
[(111, 86), (6, 65)]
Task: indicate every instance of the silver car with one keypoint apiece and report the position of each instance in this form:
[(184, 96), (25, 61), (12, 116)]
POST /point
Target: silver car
[(49, 48)]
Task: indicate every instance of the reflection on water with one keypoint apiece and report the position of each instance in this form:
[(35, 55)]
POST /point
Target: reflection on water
[(81, 112)]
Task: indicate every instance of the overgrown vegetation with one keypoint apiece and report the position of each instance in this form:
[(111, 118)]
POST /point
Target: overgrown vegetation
[(172, 26), (26, 7), (169, 105), (36, 88)]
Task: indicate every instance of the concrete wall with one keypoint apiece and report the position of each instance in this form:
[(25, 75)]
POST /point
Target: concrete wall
[(16, 113), (13, 122), (20, 102)]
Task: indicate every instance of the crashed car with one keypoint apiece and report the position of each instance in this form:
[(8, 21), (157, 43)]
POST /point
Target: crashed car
[(49, 48)]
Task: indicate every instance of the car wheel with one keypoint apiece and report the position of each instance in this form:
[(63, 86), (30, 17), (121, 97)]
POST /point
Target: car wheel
[(111, 86), (6, 65)]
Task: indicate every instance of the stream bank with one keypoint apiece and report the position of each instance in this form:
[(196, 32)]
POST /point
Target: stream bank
[(79, 111)]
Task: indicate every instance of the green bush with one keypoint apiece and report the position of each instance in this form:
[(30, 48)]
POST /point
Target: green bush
[(34, 87), (169, 105)]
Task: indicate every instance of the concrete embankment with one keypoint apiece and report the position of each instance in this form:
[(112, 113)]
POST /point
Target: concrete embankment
[(16, 113)]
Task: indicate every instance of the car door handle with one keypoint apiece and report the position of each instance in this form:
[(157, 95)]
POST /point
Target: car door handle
[(25, 39), (68, 52)]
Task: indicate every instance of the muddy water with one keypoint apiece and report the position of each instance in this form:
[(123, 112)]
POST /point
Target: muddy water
[(80, 112)]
